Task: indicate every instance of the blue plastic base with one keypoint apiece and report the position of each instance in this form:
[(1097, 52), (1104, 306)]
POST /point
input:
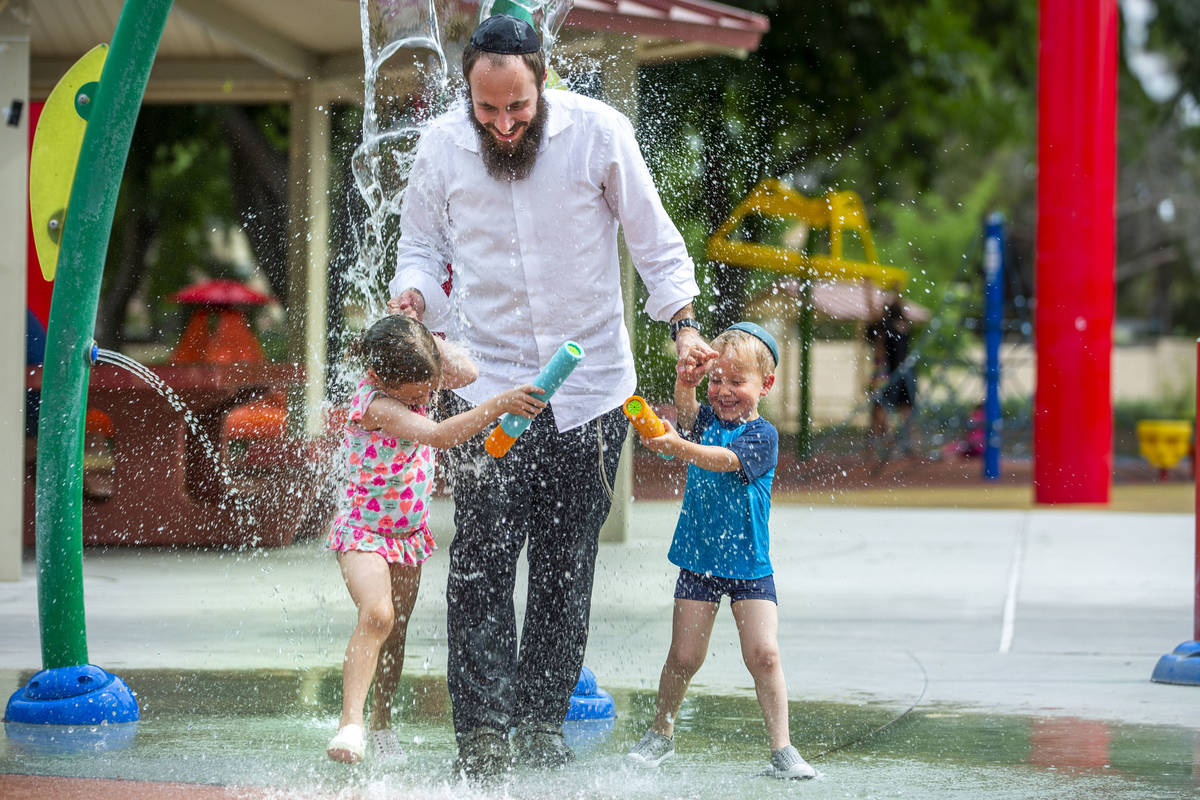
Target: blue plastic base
[(79, 695), (586, 734), (1181, 666), (591, 716), (589, 701)]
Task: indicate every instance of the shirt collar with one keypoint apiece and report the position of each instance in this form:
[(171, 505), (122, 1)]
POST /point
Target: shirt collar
[(558, 120)]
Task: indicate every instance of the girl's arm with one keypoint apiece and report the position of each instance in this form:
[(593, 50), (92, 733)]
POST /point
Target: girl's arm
[(457, 367), (397, 419), (705, 456)]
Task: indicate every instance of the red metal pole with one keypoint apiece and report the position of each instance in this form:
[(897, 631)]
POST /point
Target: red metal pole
[(1077, 97), (1196, 475)]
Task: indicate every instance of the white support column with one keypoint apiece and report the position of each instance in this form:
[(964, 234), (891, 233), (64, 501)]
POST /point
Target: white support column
[(620, 91), (14, 211), (308, 250)]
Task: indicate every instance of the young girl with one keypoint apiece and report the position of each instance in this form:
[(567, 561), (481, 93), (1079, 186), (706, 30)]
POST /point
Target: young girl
[(381, 536)]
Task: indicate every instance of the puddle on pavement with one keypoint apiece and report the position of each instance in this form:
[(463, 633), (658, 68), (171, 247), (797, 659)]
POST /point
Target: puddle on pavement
[(269, 729)]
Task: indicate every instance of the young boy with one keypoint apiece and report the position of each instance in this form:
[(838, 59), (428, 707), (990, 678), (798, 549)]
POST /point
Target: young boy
[(721, 540)]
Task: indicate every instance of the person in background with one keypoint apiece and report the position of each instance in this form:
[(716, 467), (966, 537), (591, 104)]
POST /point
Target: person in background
[(893, 385)]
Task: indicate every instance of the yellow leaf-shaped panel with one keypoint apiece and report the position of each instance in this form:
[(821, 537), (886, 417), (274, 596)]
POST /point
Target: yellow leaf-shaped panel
[(56, 144)]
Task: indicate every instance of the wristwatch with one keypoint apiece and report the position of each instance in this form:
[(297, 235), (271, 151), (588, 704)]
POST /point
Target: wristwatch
[(679, 324)]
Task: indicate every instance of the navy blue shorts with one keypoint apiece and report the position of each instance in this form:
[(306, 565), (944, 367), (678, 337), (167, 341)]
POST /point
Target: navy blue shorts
[(709, 588)]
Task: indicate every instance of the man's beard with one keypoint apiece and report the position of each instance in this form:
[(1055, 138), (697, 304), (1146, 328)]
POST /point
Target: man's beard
[(511, 162)]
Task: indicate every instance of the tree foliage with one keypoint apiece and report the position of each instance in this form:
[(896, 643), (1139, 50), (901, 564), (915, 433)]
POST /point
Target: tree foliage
[(1159, 206), (924, 107), (193, 175), (927, 108)]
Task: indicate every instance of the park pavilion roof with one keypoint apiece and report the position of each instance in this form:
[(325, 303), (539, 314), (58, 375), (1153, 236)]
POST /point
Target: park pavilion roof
[(251, 50)]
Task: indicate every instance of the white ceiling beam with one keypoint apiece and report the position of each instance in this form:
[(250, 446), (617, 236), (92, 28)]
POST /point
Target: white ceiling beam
[(658, 51), (251, 37), (343, 66), (184, 80)]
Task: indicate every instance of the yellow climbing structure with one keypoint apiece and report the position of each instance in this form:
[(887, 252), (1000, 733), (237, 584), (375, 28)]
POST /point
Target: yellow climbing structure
[(837, 211)]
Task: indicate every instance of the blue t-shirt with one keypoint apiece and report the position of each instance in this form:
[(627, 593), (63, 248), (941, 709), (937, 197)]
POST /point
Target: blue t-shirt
[(722, 528)]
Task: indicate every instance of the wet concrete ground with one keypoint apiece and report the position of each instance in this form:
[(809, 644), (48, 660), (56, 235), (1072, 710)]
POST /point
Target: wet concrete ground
[(263, 729), (1019, 643)]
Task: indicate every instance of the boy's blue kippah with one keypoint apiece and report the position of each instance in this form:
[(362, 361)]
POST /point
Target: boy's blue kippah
[(760, 333)]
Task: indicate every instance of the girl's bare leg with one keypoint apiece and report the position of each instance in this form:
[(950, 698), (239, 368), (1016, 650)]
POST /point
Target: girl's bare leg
[(369, 581), (758, 629), (691, 629), (405, 582)]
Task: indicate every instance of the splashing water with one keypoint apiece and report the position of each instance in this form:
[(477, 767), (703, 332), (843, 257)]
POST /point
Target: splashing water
[(407, 47), (237, 504), (400, 97)]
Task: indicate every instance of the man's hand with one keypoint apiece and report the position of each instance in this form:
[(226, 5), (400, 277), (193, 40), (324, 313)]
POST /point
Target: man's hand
[(694, 355), (410, 302)]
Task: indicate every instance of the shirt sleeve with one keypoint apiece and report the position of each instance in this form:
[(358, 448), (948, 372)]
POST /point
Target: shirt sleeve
[(757, 448), (424, 248), (654, 242)]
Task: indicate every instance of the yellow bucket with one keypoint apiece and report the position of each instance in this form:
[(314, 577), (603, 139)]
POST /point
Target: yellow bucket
[(1164, 442)]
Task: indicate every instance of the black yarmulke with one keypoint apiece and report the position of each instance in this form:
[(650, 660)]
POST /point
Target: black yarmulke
[(501, 33)]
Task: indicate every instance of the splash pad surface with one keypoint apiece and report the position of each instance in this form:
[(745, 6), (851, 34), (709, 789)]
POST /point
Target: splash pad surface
[(263, 735), (235, 659)]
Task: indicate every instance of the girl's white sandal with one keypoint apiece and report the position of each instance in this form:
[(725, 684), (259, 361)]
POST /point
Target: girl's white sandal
[(348, 746)]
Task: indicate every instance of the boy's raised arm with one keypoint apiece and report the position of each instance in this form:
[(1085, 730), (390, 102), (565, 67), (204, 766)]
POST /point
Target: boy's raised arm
[(687, 408)]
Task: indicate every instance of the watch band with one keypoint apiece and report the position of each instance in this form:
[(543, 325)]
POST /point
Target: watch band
[(677, 325)]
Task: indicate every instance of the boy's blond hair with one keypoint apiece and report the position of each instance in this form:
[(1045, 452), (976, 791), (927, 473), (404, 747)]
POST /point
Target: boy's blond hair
[(747, 346)]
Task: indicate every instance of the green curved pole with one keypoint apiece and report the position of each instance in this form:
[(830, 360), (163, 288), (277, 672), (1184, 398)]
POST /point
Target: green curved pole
[(111, 117), (804, 434)]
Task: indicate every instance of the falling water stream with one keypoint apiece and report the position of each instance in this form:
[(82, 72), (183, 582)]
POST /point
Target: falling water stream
[(237, 503), (407, 48)]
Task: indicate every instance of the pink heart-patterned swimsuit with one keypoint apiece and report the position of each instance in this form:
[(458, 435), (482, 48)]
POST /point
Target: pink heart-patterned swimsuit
[(385, 507)]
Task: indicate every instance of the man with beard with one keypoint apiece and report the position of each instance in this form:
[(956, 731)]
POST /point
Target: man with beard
[(523, 192)]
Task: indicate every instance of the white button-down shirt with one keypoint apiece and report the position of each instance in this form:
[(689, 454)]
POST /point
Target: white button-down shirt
[(535, 261)]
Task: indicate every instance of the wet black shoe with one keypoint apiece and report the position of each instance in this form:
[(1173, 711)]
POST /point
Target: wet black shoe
[(483, 755), (541, 745)]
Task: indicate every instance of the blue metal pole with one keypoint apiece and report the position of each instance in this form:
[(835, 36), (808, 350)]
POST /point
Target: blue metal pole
[(993, 321)]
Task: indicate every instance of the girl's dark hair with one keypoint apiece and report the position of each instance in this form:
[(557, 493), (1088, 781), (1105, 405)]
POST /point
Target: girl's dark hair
[(535, 61), (400, 350)]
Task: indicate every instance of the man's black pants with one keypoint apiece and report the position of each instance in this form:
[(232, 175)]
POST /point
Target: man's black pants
[(548, 490)]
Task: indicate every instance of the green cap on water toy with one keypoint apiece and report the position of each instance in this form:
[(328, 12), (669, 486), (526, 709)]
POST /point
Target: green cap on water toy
[(760, 333), (521, 9), (506, 34)]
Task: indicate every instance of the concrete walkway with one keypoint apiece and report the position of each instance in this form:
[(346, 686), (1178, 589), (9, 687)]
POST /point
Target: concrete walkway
[(1022, 612)]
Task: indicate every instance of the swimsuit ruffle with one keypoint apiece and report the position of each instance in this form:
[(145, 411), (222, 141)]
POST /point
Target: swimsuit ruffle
[(411, 548)]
